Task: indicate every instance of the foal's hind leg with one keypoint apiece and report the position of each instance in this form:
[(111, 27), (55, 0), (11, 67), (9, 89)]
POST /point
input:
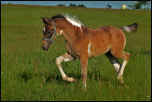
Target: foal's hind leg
[(66, 57), (126, 59), (114, 61), (125, 56)]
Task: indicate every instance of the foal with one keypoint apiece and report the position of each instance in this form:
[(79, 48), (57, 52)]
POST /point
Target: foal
[(83, 43)]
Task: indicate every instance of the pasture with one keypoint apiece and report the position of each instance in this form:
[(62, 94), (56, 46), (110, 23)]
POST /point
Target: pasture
[(29, 73)]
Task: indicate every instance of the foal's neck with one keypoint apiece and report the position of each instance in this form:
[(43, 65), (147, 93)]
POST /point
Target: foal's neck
[(71, 33)]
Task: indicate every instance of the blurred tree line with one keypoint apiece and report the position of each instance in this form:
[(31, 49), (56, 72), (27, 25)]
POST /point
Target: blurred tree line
[(139, 4), (73, 5)]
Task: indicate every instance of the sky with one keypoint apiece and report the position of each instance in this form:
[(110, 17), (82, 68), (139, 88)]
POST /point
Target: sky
[(88, 4)]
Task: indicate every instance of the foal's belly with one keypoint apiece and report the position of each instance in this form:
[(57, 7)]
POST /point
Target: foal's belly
[(99, 44), (98, 49)]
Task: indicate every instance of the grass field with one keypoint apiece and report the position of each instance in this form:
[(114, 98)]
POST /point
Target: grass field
[(29, 74)]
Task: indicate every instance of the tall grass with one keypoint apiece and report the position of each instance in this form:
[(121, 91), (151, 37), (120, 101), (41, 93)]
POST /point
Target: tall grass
[(29, 74)]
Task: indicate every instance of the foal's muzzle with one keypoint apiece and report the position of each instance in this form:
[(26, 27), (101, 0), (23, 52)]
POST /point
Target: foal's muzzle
[(45, 47)]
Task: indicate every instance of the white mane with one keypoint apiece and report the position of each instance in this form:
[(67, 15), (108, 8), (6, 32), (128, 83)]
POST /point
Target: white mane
[(73, 20)]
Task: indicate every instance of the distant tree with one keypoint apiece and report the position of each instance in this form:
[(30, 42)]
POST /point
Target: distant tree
[(81, 5), (61, 5), (145, 3), (138, 4), (72, 5)]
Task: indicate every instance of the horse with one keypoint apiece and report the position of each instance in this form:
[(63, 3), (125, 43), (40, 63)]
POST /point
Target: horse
[(83, 43)]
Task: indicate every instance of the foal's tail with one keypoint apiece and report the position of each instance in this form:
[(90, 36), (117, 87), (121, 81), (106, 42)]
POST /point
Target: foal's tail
[(130, 28)]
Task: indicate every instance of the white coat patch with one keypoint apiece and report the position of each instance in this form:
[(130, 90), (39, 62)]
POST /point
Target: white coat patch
[(61, 32), (89, 47)]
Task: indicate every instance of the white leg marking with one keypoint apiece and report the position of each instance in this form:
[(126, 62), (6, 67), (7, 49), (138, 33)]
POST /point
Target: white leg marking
[(123, 67), (58, 63), (120, 75), (89, 47), (85, 85), (115, 64)]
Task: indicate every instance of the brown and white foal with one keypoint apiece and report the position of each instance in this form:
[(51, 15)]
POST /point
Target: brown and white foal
[(83, 43)]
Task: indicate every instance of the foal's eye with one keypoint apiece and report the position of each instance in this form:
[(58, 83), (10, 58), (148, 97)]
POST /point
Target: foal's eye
[(49, 32)]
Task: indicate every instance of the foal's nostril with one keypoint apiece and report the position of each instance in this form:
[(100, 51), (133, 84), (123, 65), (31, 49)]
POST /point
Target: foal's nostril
[(43, 47)]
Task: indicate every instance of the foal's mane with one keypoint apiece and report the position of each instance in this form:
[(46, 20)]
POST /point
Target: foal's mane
[(57, 16), (69, 18)]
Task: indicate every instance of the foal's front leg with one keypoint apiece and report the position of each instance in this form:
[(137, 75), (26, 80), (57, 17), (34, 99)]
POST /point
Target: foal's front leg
[(66, 57), (84, 63)]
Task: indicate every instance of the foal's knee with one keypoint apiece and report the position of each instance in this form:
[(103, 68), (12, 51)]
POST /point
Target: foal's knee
[(58, 60)]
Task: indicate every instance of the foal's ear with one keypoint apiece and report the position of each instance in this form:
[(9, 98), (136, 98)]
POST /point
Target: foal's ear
[(45, 20)]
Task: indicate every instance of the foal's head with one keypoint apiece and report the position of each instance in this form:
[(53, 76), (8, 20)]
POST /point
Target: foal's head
[(55, 26), (48, 31)]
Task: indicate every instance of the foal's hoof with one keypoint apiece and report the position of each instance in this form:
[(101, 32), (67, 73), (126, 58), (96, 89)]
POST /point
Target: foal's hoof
[(120, 79), (71, 79)]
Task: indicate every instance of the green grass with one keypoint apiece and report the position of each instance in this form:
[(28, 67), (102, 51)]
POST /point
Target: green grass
[(29, 74)]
